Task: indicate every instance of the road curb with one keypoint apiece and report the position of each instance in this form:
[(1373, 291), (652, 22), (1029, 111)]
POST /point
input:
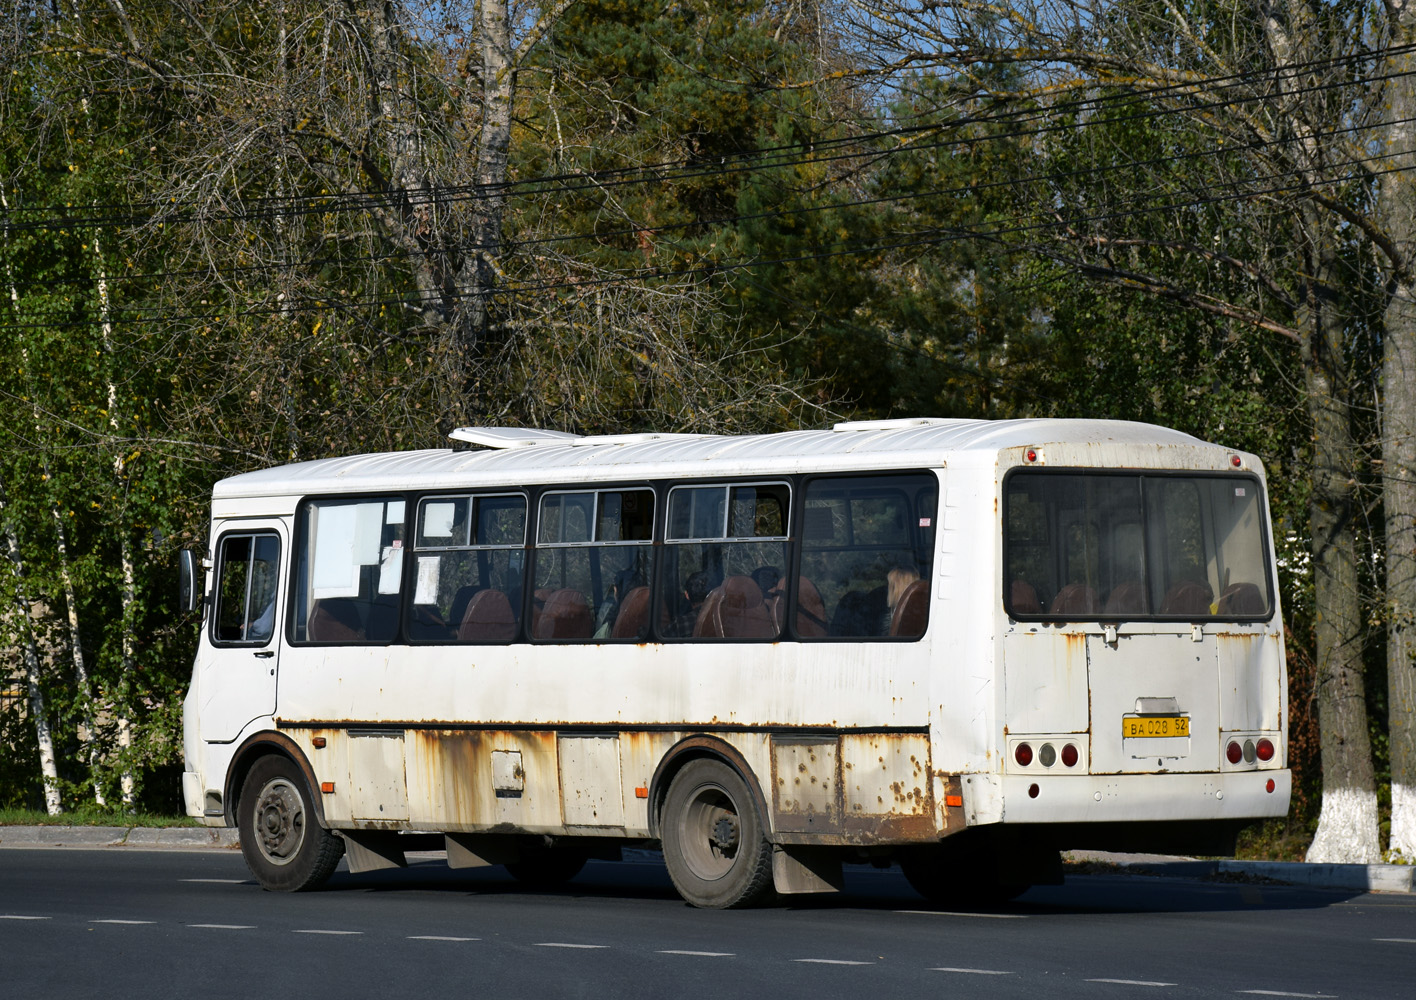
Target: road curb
[(118, 836), (1366, 878), (1371, 878)]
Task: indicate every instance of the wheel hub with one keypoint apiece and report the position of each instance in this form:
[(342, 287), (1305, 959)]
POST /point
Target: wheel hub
[(280, 821), (725, 833)]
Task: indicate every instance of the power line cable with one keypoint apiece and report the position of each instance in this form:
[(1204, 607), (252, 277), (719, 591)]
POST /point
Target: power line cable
[(513, 246), (916, 240), (438, 196)]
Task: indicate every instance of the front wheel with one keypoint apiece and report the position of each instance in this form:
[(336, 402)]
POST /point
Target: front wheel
[(281, 838), (714, 845)]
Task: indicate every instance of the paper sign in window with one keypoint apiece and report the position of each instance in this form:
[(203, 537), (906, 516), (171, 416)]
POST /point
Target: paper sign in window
[(391, 569), (425, 591), (437, 520)]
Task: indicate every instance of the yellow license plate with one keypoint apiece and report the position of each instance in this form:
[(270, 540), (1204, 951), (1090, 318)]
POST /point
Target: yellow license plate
[(1146, 726)]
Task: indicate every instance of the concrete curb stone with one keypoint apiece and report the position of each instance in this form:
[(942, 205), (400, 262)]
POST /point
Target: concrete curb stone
[(117, 836), (62, 836), (1366, 878), (1373, 878)]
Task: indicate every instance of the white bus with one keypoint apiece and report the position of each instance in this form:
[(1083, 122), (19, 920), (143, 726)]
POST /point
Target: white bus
[(955, 645)]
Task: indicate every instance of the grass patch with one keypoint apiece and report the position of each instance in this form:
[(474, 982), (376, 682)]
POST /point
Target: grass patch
[(91, 817), (1273, 840)]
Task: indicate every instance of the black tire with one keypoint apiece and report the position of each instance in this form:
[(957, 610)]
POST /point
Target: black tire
[(714, 843), (957, 878), (547, 867), (281, 838)]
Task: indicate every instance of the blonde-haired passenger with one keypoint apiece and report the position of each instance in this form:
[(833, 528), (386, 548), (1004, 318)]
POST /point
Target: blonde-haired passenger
[(897, 581)]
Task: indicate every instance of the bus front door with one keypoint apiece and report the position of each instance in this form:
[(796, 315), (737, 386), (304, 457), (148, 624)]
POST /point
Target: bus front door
[(236, 668)]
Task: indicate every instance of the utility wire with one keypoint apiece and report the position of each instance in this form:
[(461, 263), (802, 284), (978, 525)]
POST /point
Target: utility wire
[(925, 238), (514, 246), (690, 169)]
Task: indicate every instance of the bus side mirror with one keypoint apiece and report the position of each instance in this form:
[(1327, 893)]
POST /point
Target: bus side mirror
[(189, 594)]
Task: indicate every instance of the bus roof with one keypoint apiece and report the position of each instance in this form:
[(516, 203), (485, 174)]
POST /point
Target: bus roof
[(519, 456)]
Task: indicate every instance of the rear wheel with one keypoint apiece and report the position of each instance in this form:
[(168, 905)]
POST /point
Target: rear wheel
[(970, 875), (281, 838), (714, 844)]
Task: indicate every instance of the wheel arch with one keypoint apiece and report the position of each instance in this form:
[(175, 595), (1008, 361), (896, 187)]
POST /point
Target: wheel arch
[(702, 747), (268, 744)]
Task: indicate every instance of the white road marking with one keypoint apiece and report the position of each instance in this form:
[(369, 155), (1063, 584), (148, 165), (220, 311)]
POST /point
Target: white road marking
[(974, 972), (1397, 940), (326, 932), (1131, 982), (700, 954), (564, 944), (438, 937), (20, 916), (132, 922), (216, 881), (226, 927), (830, 961), (982, 916), (1281, 993)]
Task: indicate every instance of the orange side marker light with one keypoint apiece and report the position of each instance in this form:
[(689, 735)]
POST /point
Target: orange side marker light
[(641, 792), (327, 787)]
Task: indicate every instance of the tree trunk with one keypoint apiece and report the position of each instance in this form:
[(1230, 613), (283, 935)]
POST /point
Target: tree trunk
[(479, 270), (1347, 824), (66, 578), (39, 714), (121, 709), (1397, 205), (76, 649)]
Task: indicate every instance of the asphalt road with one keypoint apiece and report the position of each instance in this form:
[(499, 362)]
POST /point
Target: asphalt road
[(130, 923)]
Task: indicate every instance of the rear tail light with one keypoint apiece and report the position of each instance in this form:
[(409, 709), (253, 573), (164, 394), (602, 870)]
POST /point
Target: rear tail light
[(1265, 749), (1234, 753), (1047, 756), (1070, 755), (1023, 754), (1249, 752)]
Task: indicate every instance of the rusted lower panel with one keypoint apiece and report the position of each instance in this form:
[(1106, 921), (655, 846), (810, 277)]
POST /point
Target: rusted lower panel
[(452, 785), (855, 789), (806, 787)]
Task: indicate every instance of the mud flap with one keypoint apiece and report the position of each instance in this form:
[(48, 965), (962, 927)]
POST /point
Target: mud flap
[(468, 850), (371, 850), (806, 869)]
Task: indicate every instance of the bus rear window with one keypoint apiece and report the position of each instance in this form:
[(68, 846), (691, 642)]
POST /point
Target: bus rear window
[(1082, 546)]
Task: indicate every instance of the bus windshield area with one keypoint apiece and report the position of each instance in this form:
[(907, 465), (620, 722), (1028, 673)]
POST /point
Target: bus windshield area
[(1101, 545)]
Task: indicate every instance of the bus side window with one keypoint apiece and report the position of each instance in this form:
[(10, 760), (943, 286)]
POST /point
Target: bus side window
[(725, 562), (246, 585), (350, 570), (593, 560), (468, 555), (867, 549)]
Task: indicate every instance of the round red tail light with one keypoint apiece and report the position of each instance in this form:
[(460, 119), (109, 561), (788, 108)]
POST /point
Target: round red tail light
[(1023, 755), (1070, 755), (1265, 749), (1234, 753)]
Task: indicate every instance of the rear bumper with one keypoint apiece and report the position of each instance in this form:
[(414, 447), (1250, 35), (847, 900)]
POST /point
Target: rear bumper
[(1122, 798)]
